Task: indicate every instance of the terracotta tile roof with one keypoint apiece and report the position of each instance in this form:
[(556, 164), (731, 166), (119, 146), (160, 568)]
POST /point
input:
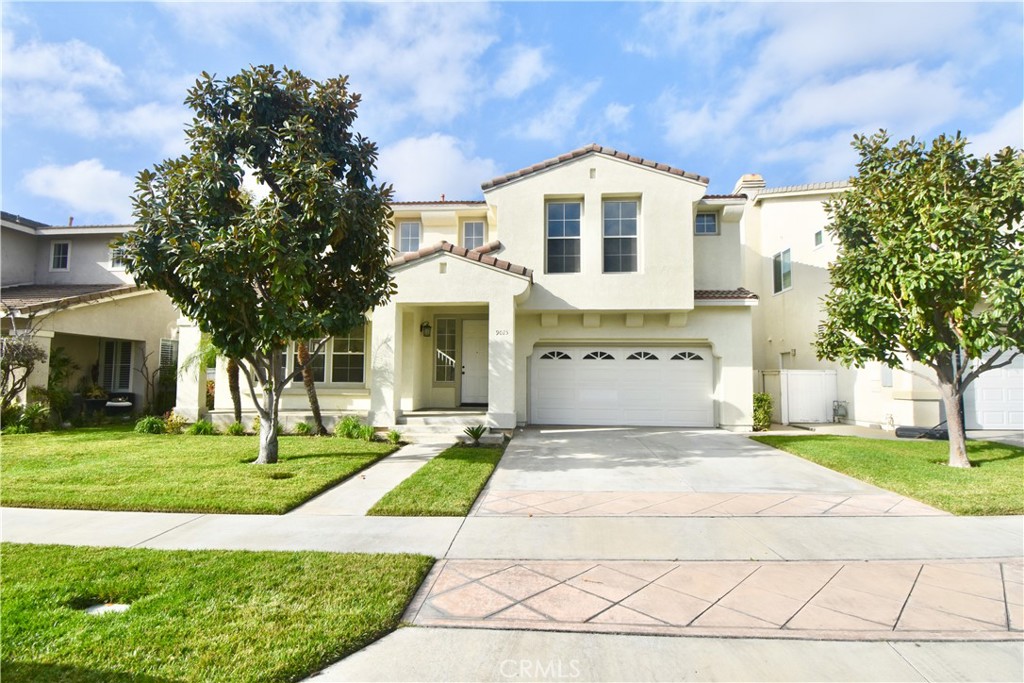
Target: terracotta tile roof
[(724, 294), (584, 151), (441, 202), (31, 298), (479, 254), (810, 187)]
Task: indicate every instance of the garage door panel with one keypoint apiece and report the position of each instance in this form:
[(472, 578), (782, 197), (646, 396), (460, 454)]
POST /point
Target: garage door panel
[(567, 389), (995, 400)]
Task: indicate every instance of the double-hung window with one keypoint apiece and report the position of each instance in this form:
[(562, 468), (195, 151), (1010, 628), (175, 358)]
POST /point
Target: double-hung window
[(620, 229), (116, 257), (348, 357), (60, 255), (563, 236), (473, 234), (782, 272), (408, 236), (318, 362), (117, 365), (706, 224)]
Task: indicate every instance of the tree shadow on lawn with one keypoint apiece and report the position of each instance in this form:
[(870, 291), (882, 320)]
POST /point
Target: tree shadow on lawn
[(13, 672), (976, 450)]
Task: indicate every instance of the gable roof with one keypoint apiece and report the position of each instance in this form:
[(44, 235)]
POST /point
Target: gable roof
[(20, 220), (33, 298), (584, 151), (479, 255)]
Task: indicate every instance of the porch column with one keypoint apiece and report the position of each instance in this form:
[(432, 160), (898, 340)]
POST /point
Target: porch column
[(501, 364), (190, 399), (386, 366), (40, 375)]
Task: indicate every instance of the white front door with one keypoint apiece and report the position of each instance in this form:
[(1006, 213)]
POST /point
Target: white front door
[(474, 361)]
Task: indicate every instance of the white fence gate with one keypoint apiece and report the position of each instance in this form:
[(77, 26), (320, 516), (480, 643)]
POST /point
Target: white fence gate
[(801, 395)]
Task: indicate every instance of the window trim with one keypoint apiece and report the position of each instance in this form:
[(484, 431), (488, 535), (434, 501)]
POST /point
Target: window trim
[(483, 232), (785, 258), (454, 355), (290, 353), (714, 215), (119, 252), (67, 257), (118, 361), (635, 237), (419, 236), (819, 238), (547, 237)]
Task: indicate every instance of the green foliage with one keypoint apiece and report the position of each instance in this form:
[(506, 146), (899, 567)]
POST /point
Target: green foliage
[(10, 414), (762, 412), (236, 429), (394, 437), (303, 429), (348, 428), (930, 262), (174, 424), (475, 433), (365, 433), (305, 262), (150, 424), (18, 357), (202, 428), (58, 396)]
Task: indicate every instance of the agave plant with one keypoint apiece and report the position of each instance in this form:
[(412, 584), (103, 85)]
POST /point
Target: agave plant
[(475, 433)]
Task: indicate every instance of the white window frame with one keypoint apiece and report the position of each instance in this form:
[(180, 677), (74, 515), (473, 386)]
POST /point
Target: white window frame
[(404, 240), (635, 236), (548, 239), (784, 259), (116, 258), (67, 256), (109, 384), (698, 228), (445, 329), (819, 238), (328, 352), (483, 234)]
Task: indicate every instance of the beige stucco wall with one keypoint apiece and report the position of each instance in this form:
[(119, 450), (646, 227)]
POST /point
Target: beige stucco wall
[(17, 266), (718, 259), (441, 222), (89, 261), (665, 265)]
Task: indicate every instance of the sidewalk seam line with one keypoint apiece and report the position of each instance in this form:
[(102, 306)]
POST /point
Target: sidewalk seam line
[(723, 595), (909, 663), (808, 600), (167, 531), (907, 600), (1006, 599)]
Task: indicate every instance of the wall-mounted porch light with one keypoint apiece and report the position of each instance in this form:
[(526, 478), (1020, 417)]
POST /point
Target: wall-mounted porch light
[(425, 329)]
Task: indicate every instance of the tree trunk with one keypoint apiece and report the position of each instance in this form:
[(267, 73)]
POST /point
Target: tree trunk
[(955, 425), (268, 429), (236, 395), (302, 351)]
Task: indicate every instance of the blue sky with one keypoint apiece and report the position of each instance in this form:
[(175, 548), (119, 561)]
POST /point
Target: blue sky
[(457, 93)]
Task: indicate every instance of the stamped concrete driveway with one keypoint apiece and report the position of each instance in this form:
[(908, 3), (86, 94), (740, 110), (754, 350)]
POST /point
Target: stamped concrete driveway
[(671, 472)]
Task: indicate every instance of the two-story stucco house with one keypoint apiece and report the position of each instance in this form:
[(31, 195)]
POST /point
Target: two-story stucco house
[(596, 288), (68, 285)]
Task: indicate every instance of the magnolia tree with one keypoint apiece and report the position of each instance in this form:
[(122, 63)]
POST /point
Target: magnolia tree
[(930, 265), (305, 261)]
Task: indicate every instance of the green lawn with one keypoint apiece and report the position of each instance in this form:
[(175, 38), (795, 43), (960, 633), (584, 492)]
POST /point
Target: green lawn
[(194, 615), (108, 468), (444, 487), (916, 469)]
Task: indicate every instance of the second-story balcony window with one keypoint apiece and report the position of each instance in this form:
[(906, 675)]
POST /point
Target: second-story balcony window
[(563, 237), (408, 236), (620, 230), (473, 234)]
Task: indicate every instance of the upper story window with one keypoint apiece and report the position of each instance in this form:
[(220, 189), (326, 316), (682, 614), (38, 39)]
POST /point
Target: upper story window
[(782, 272), (620, 227), (563, 236), (473, 234), (116, 257), (706, 224), (60, 255), (819, 237), (408, 236)]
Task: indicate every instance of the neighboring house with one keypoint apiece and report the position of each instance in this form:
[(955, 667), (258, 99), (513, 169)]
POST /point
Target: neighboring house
[(596, 289), (67, 284), (785, 228)]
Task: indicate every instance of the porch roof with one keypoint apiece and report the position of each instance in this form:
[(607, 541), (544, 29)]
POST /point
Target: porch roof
[(33, 298), (740, 293), (479, 255)]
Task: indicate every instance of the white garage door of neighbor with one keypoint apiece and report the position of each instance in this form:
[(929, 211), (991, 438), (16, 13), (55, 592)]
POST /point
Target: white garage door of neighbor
[(996, 399), (640, 386)]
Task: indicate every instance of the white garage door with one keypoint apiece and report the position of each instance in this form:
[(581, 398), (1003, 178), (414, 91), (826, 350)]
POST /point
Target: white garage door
[(642, 386), (996, 399)]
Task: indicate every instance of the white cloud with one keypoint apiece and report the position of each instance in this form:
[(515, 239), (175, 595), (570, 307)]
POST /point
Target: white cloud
[(1006, 131), (72, 65), (616, 115), (555, 123), (161, 123), (525, 68), (86, 187), (427, 167)]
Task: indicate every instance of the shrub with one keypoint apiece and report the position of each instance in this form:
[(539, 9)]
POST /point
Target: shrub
[(394, 437), (10, 415), (762, 412), (236, 429), (35, 417), (14, 429), (150, 424), (348, 428), (174, 424), (475, 433), (303, 429), (365, 432), (202, 428)]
